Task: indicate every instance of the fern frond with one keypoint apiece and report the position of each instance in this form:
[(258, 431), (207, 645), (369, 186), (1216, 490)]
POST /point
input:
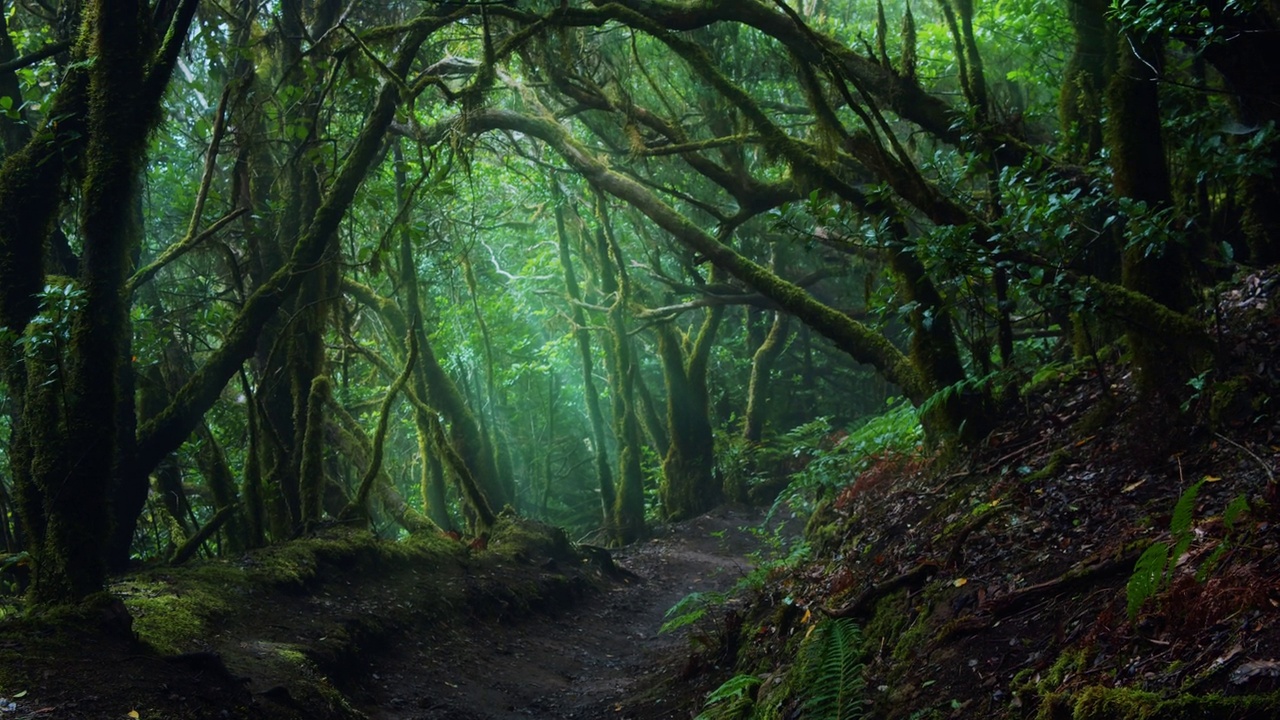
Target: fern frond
[(734, 699), (1238, 506), (1147, 577), (831, 671), (690, 609), (1182, 512)]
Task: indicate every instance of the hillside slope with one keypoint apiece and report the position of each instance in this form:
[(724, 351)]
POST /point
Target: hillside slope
[(1002, 584)]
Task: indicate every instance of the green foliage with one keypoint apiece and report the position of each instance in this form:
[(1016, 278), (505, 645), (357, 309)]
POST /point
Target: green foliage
[(1191, 19), (832, 460), (690, 609), (51, 327), (1153, 572), (732, 700), (1147, 578), (829, 671)]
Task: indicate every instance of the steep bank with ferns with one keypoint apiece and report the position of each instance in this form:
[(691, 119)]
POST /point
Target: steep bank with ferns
[(1097, 557)]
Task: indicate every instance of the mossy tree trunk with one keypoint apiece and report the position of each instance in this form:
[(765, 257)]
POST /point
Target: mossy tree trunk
[(582, 336), (1084, 83), (78, 405), (433, 386), (688, 480), (628, 509), (165, 432), (762, 361), (291, 354), (1156, 267)]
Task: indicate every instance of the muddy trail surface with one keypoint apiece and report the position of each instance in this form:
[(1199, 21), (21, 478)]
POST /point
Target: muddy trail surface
[(599, 659)]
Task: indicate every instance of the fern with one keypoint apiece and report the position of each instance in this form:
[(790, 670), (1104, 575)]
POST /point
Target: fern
[(1238, 506), (690, 609), (732, 700), (1147, 578), (830, 671), (1180, 526), (1154, 570)]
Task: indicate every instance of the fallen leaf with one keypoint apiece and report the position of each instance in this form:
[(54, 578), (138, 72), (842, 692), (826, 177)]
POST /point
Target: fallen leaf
[(134, 714), (1211, 479), (1133, 486), (960, 582), (1253, 669)]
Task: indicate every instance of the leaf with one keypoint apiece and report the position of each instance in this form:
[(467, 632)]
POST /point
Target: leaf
[(1238, 506), (1148, 574), (1182, 512), (134, 714)]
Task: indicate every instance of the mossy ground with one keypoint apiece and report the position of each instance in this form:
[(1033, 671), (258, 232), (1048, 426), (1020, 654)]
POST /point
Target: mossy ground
[(282, 632)]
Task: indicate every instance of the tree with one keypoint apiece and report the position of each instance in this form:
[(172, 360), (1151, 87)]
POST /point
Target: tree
[(388, 263)]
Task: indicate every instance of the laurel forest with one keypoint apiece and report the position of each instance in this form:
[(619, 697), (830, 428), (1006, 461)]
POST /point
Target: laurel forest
[(272, 267)]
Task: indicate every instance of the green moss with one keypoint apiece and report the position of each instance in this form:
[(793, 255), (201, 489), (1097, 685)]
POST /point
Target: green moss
[(1231, 402), (1102, 703), (171, 611), (1071, 661), (524, 540), (1054, 465), (888, 620)]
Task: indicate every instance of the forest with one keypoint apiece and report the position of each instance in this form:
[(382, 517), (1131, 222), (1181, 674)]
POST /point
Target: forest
[(922, 293)]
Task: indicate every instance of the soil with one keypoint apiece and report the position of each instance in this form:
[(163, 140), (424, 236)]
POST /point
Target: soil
[(350, 627), (596, 659)]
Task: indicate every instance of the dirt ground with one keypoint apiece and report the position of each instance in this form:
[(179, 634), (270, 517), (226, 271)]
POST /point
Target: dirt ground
[(344, 628), (599, 659)]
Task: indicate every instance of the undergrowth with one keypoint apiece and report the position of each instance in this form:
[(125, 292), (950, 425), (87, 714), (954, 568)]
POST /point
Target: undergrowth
[(826, 682), (1154, 570)]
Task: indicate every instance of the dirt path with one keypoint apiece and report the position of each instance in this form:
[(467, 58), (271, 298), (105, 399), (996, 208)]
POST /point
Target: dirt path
[(585, 662)]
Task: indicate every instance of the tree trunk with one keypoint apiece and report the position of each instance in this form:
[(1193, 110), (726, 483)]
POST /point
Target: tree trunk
[(688, 482), (1153, 266), (78, 414), (762, 361), (628, 509), (599, 449)]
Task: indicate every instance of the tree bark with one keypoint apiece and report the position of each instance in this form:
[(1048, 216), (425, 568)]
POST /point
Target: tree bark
[(582, 335)]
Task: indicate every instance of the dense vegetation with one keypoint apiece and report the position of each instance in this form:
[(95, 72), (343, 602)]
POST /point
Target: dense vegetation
[(269, 266)]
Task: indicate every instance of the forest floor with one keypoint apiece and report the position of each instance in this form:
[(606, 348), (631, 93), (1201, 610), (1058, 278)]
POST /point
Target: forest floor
[(344, 626), (602, 658)]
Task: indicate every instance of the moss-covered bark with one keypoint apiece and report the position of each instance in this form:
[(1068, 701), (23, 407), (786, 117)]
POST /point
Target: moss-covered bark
[(1152, 266), (168, 430), (359, 501), (628, 509), (604, 475), (766, 354), (311, 475), (1084, 82), (434, 387), (78, 425), (688, 483), (221, 482)]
